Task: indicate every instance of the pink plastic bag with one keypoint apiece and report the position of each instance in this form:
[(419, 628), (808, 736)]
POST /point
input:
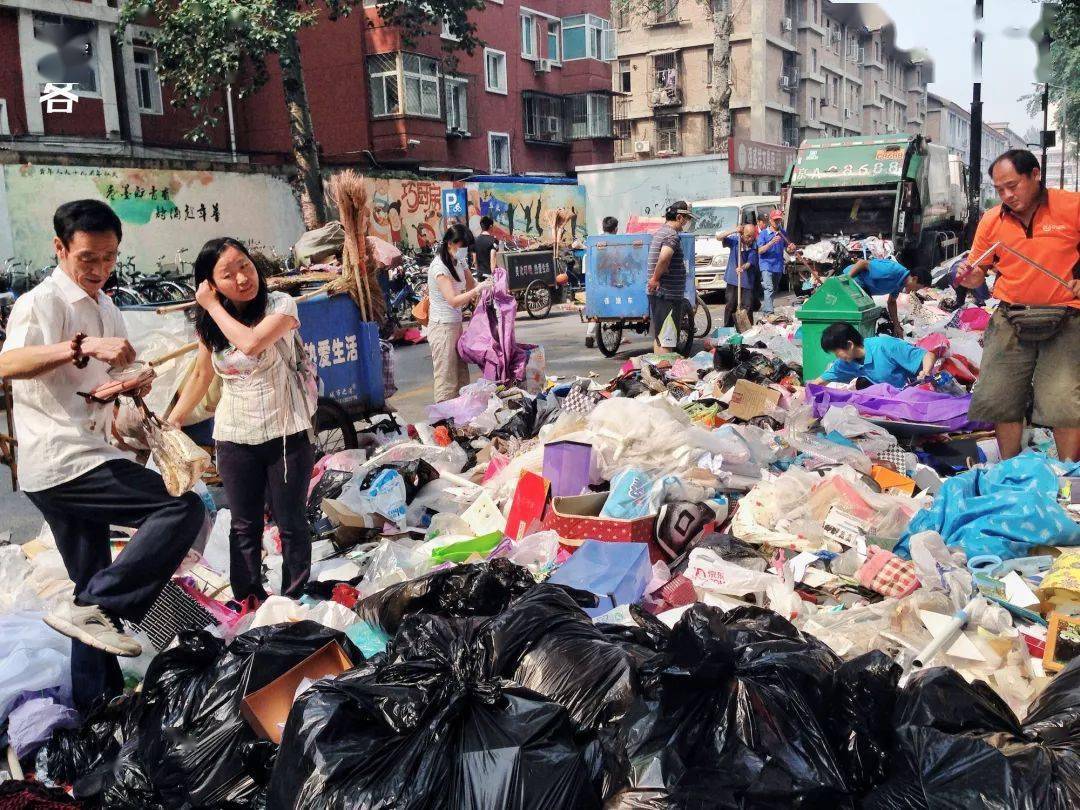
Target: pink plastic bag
[(936, 343), (974, 319)]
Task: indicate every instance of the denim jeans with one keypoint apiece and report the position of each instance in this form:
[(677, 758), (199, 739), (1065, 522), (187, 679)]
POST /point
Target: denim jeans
[(769, 283)]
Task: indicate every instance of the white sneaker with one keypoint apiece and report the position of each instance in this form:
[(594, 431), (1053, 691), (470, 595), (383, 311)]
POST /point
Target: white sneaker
[(93, 627)]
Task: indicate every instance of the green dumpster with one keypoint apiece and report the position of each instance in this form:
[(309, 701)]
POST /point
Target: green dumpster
[(838, 300)]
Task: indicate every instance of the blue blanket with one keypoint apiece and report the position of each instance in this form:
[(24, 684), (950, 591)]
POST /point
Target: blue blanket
[(1005, 510)]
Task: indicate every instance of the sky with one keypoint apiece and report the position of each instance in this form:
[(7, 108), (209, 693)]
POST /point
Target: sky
[(945, 28)]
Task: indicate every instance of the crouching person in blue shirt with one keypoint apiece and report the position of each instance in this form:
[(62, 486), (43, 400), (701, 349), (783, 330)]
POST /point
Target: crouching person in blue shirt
[(881, 359)]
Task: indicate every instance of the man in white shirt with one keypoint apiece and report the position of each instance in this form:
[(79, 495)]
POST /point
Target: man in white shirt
[(63, 337)]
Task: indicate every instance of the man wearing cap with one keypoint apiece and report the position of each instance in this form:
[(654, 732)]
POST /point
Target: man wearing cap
[(771, 244), (1031, 348), (667, 270)]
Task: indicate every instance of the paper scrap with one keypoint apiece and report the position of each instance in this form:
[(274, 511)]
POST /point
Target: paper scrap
[(845, 529), (800, 562), (1017, 591), (750, 399), (484, 516), (963, 647)]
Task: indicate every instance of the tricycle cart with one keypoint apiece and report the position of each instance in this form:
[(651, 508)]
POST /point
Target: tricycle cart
[(349, 358), (530, 276), (615, 296)]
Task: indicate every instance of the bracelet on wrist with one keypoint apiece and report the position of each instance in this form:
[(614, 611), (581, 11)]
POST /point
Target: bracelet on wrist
[(80, 360)]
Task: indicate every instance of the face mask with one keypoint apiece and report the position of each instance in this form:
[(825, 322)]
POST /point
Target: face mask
[(461, 253)]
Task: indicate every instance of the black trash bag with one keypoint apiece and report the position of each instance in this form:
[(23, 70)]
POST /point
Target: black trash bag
[(475, 589), (734, 718), (546, 642), (329, 486), (959, 745), (72, 753), (193, 743), (431, 727), (860, 720), (534, 413)]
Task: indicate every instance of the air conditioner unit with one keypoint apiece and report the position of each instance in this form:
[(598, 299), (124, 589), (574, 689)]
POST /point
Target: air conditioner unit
[(552, 125), (786, 82), (642, 146), (785, 24), (542, 65)]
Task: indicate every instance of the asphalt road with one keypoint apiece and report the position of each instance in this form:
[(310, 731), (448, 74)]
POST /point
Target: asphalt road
[(561, 333)]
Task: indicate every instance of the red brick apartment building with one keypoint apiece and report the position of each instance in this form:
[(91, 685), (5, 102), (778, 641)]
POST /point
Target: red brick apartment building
[(536, 99)]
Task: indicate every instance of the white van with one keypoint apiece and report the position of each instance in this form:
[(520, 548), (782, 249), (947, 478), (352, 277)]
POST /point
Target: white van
[(722, 214)]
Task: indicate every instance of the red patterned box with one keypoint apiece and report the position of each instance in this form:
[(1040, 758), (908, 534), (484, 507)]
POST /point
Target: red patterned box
[(577, 518)]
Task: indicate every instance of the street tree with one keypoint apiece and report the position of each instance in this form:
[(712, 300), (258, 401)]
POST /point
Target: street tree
[(206, 46), (1060, 67), (720, 15)]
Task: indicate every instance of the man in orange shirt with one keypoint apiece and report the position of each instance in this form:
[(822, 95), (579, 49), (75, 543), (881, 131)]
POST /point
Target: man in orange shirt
[(1024, 359)]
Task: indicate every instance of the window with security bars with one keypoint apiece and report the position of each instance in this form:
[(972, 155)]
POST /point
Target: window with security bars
[(624, 138), (457, 105), (667, 134), (383, 83), (590, 116), (404, 83), (544, 118), (666, 11)]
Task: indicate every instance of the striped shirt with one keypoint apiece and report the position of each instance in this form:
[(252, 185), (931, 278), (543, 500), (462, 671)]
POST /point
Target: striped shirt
[(259, 396), (673, 282)]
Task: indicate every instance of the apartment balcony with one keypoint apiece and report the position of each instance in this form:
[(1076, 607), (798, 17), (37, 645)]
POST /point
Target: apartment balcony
[(667, 95), (545, 119), (666, 81)]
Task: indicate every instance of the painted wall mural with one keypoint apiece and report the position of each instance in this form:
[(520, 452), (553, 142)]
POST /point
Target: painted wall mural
[(161, 211), (409, 212), (165, 211)]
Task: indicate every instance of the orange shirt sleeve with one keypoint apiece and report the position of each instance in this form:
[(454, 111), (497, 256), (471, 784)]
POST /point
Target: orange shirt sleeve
[(984, 237)]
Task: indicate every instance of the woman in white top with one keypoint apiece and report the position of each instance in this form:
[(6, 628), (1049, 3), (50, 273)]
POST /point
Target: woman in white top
[(261, 424), (450, 287)]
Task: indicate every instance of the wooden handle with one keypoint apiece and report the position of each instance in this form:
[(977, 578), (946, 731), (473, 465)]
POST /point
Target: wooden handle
[(187, 347), (174, 308)]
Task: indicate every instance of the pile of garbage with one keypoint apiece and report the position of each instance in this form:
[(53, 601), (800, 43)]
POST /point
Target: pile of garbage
[(699, 584)]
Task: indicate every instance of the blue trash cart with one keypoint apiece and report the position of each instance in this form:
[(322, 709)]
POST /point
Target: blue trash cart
[(348, 356), (616, 272)]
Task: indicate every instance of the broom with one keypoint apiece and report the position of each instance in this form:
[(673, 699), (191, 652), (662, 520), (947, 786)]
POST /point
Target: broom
[(742, 320), (358, 265)]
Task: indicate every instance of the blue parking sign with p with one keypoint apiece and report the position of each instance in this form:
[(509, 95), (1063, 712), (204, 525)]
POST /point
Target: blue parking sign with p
[(455, 205)]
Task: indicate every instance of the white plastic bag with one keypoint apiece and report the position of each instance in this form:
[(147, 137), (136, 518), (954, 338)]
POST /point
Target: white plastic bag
[(536, 371), (33, 658), (669, 333), (708, 571)]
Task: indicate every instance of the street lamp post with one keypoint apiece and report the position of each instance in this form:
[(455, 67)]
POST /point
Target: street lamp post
[(975, 136)]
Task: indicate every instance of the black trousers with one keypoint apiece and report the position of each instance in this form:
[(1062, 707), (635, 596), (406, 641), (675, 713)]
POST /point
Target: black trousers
[(79, 513), (253, 474), (731, 301)]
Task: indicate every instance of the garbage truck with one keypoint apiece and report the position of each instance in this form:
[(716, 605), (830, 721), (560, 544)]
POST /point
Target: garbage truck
[(899, 187)]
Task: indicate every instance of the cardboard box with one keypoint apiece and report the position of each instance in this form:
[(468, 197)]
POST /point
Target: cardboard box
[(750, 399), (267, 709)]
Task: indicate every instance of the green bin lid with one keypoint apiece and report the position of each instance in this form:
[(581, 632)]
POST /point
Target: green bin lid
[(838, 298)]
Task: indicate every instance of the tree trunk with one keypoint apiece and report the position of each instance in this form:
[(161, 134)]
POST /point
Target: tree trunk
[(305, 152), (720, 92)]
